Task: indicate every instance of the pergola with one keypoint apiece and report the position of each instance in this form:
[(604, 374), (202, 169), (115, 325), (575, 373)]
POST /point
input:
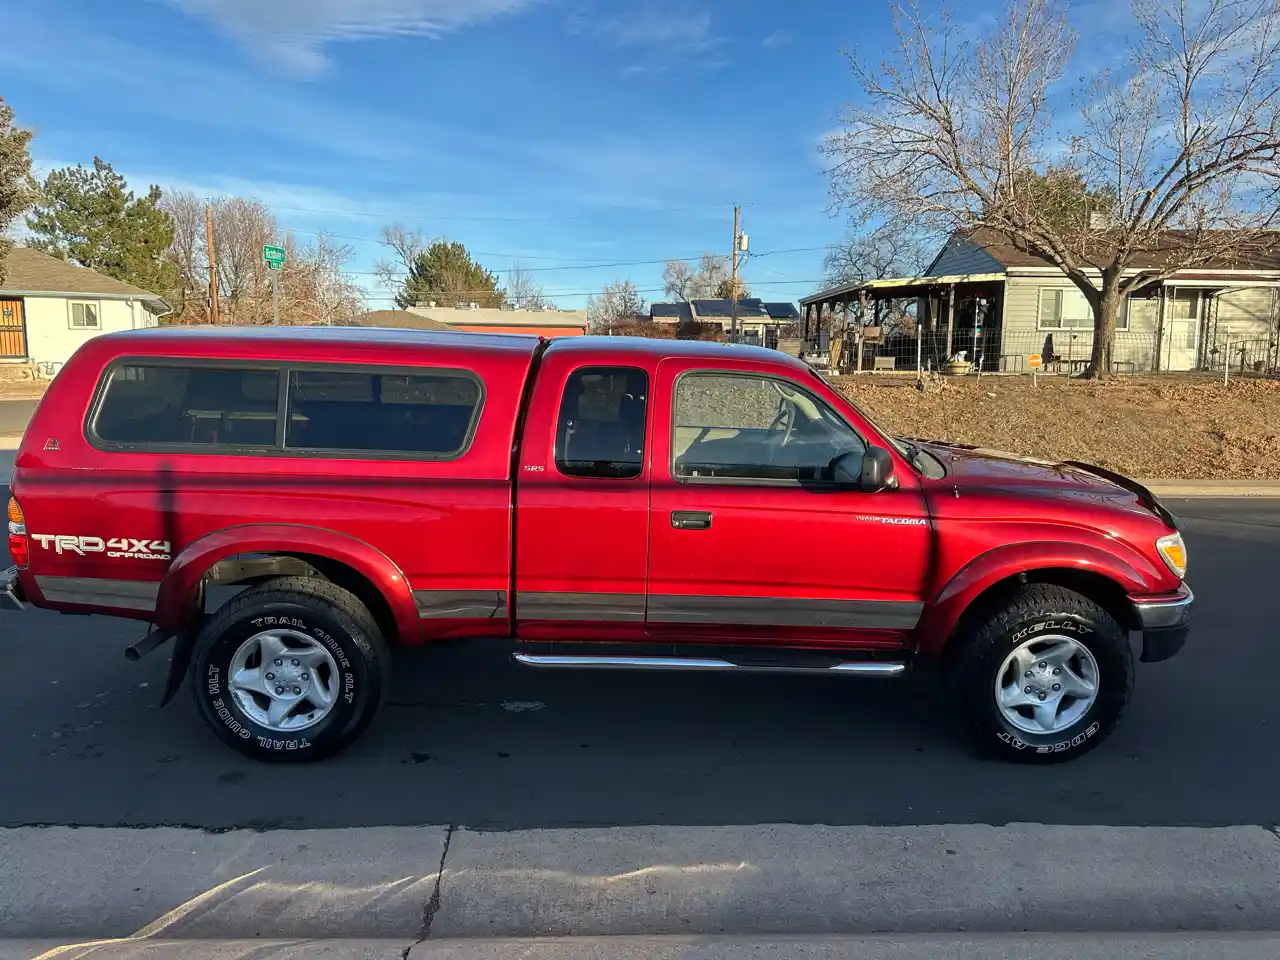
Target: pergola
[(869, 295)]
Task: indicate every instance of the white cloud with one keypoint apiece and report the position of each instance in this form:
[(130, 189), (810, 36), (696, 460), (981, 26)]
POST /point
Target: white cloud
[(290, 35), (668, 38), (779, 38)]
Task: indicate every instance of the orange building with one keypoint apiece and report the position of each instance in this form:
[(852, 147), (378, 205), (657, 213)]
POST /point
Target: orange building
[(545, 323)]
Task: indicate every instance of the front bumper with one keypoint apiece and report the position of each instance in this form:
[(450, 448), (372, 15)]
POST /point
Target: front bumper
[(10, 590), (1165, 624)]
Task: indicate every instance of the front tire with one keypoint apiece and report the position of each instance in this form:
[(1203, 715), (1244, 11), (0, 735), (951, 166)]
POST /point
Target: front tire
[(290, 671), (1045, 678)]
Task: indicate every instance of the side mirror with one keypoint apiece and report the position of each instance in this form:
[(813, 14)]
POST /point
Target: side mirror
[(870, 472), (877, 470)]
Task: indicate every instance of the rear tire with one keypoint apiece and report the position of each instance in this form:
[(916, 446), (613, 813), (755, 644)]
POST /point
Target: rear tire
[(290, 671), (1045, 677)]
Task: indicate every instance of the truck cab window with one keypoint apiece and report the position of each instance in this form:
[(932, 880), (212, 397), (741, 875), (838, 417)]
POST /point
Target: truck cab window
[(743, 427), (601, 428)]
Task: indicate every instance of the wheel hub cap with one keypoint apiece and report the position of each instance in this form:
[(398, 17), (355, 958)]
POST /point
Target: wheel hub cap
[(1046, 684), (284, 680)]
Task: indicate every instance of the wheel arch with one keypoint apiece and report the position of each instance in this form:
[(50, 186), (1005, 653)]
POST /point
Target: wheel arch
[(255, 553), (1104, 577)]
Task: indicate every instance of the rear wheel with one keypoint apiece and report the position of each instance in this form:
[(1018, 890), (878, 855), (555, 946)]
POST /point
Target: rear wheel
[(1045, 678), (291, 670)]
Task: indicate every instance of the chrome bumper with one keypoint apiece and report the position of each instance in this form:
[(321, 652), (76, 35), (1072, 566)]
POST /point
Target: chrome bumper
[(10, 591), (1165, 624), (1165, 614)]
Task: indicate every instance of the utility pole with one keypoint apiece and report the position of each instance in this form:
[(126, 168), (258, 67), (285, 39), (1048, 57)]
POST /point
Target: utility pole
[(733, 309), (213, 263)]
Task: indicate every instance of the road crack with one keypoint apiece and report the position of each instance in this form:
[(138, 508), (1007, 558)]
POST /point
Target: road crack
[(432, 906)]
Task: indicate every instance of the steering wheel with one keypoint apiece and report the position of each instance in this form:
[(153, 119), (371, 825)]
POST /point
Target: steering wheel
[(786, 422)]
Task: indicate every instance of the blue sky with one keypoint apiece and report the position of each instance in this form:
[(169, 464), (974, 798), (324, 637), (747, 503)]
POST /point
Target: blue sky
[(557, 132)]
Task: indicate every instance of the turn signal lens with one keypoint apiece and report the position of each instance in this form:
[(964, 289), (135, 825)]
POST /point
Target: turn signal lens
[(1174, 552), (19, 549)]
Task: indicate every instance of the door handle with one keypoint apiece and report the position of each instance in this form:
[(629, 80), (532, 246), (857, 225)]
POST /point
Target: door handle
[(691, 519)]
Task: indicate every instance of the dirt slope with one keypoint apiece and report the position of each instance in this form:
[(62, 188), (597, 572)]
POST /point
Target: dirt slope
[(1166, 427)]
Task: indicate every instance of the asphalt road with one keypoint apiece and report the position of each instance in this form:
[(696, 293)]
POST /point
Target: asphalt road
[(15, 414), (470, 739)]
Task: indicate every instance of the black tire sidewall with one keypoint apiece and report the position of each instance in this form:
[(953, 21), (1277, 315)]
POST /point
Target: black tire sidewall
[(336, 632), (1110, 649)]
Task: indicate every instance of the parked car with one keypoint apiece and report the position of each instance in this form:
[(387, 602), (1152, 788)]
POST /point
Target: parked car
[(610, 503)]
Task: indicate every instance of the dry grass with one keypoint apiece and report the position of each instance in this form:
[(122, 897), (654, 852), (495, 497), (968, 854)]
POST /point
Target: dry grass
[(1192, 429)]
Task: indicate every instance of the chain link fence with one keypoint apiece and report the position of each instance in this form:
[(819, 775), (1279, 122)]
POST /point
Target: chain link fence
[(1061, 352)]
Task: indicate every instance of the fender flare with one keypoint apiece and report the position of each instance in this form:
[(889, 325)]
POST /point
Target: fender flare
[(196, 559), (1124, 567)]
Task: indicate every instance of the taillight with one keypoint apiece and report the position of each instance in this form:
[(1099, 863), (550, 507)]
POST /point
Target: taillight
[(18, 548)]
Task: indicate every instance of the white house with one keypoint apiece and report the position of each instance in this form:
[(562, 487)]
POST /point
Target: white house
[(48, 307)]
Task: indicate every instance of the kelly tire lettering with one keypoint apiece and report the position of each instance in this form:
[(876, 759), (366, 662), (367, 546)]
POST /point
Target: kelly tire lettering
[(338, 621), (1032, 611)]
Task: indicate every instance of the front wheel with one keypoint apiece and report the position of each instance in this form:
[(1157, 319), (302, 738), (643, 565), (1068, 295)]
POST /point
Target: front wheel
[(291, 670), (1045, 678)]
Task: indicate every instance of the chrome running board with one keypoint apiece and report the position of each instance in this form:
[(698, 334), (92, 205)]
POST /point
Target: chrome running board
[(859, 668)]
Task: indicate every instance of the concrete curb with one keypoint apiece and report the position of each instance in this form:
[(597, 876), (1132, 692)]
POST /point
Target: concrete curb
[(405, 883), (1213, 488), (9, 443), (957, 946)]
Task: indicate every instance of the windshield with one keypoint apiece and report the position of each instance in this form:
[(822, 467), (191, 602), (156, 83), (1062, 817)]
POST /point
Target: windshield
[(905, 450)]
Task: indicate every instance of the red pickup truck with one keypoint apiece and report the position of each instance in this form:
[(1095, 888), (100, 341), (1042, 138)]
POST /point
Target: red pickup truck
[(610, 503)]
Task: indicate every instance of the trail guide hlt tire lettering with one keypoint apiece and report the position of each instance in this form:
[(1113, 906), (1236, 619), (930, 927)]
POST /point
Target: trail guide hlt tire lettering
[(330, 618)]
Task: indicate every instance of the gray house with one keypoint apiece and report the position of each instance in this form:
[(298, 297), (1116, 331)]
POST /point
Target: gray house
[(1001, 303)]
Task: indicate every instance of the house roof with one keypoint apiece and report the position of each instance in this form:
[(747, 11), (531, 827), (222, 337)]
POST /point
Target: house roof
[(488, 317), (747, 307), (670, 311), (782, 311), (32, 272), (1010, 253), (398, 319)]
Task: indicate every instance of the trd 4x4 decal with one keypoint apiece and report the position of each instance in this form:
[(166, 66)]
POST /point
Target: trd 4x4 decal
[(115, 548)]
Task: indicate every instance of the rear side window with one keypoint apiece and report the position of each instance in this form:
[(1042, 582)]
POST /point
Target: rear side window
[(429, 415), (191, 406), (602, 422)]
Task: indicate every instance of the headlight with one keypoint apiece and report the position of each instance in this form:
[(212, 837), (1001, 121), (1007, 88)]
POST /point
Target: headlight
[(1174, 552)]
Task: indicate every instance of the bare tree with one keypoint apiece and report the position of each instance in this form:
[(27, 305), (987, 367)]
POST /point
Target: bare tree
[(618, 303), (678, 280), (313, 285), (186, 210), (712, 276), (1174, 163), (523, 291), (876, 255), (406, 246)]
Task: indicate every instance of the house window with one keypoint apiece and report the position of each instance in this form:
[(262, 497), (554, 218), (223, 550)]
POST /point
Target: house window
[(1184, 305), (1065, 308), (84, 315)]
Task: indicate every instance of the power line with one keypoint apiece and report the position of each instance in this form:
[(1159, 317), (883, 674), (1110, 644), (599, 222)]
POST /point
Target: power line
[(488, 219), (585, 263)]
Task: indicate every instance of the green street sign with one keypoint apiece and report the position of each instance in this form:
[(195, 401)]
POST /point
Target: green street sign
[(274, 256)]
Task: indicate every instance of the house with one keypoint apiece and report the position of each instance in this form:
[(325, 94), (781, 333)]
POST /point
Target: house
[(399, 319), (1002, 303), (476, 319), (759, 322), (48, 307)]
